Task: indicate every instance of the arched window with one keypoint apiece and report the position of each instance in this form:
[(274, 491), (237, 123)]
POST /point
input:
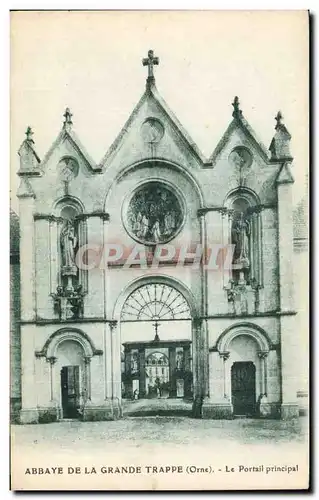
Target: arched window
[(245, 236), (155, 301), (72, 234)]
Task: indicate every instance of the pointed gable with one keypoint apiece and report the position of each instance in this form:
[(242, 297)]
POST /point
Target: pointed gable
[(67, 134), (241, 124), (152, 105), (279, 146), (29, 160)]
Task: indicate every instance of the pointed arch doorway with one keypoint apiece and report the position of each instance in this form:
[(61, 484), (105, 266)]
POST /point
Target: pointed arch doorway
[(156, 340)]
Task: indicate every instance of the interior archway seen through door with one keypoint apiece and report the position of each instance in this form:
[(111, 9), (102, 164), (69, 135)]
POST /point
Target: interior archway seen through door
[(156, 336)]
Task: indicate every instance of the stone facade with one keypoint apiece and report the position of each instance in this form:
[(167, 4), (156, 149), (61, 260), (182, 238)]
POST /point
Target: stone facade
[(15, 348), (242, 316)]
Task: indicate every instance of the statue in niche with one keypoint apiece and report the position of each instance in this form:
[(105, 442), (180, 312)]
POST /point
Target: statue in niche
[(240, 239), (134, 362), (68, 241), (179, 360)]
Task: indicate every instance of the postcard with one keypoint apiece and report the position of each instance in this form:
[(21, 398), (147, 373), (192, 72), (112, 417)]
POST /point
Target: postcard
[(159, 250)]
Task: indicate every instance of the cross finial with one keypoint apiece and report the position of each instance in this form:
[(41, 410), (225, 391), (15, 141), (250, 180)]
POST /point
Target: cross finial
[(68, 118), (156, 325), (150, 61), (237, 112), (278, 119), (29, 134)]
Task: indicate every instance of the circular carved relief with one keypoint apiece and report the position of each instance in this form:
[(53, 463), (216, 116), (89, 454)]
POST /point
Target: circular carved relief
[(154, 214), (68, 169), (241, 157), (152, 131)]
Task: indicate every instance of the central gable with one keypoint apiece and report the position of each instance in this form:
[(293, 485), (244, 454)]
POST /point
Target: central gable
[(152, 131)]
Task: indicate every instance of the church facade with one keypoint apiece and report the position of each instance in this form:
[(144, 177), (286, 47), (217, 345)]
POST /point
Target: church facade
[(157, 272)]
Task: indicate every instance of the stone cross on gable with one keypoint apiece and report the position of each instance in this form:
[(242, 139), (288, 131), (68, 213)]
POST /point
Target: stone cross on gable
[(150, 61), (68, 120), (29, 134), (278, 119), (237, 111)]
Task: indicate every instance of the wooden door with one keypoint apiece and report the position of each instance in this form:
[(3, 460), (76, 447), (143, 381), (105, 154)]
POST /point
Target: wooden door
[(70, 387), (243, 384)]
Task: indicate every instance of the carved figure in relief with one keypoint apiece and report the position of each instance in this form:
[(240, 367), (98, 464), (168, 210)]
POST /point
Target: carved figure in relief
[(156, 232)]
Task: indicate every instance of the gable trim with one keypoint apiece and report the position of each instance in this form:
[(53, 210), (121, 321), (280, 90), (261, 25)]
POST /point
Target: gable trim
[(152, 92), (75, 142), (243, 125)]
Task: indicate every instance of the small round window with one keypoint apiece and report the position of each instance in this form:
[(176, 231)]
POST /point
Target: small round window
[(152, 131)]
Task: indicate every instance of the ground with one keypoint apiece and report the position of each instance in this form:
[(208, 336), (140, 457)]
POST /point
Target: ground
[(157, 406), (209, 454), (137, 431)]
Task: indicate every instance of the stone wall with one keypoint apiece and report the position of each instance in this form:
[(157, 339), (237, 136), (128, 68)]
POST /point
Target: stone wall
[(15, 346)]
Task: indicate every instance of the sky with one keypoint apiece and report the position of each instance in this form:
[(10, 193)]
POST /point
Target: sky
[(92, 63)]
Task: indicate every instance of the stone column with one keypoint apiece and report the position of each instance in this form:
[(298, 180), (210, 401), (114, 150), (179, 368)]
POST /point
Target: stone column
[(172, 366), (289, 362), (59, 225), (116, 361), (107, 358), (274, 379), (215, 266), (128, 356), (187, 355), (289, 354), (266, 407), (205, 359), (253, 256), (200, 356), (87, 388), (218, 406), (83, 240), (128, 378), (141, 356), (29, 395), (225, 356), (44, 306), (263, 372), (195, 359), (260, 275), (95, 302), (27, 257), (52, 361), (285, 246), (54, 255), (227, 219), (203, 268), (187, 371)]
